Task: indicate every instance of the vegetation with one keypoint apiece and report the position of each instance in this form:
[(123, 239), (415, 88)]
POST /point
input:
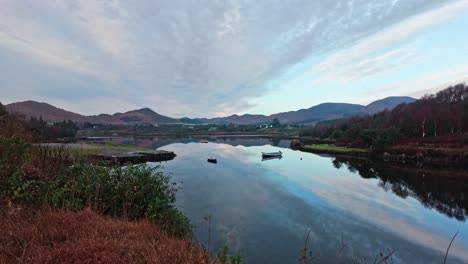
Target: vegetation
[(225, 257), (53, 206), (439, 189), (65, 199), (37, 236), (109, 145), (442, 114), (276, 122), (132, 192), (195, 129), (332, 148), (44, 131)]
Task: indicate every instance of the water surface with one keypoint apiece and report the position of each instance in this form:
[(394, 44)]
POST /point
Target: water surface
[(264, 209)]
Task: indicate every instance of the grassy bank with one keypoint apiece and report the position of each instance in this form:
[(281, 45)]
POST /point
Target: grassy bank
[(327, 148), (35, 236), (44, 178), (110, 145), (57, 205), (53, 209), (83, 149)]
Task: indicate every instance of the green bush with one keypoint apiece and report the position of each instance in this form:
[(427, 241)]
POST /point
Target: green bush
[(14, 153), (131, 192), (226, 258)]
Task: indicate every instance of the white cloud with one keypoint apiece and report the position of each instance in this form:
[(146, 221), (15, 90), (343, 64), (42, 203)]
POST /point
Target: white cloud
[(183, 58), (106, 23), (416, 87), (377, 53), (25, 33)]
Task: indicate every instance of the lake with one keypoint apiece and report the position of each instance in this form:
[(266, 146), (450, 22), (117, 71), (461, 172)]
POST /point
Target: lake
[(265, 209)]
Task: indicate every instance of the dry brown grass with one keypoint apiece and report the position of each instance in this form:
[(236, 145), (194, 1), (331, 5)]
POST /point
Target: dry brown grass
[(86, 237)]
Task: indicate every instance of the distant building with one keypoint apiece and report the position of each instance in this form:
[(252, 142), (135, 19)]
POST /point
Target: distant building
[(211, 129)]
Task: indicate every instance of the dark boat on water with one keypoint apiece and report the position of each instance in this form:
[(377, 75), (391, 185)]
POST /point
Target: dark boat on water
[(272, 158), (272, 154)]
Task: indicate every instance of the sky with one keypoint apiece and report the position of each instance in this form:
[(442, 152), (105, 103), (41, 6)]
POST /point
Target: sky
[(221, 57)]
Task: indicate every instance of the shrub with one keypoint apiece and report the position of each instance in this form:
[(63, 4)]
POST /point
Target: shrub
[(14, 153), (132, 192)]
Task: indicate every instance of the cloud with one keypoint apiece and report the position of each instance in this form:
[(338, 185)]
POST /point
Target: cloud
[(430, 83), (385, 50), (395, 214), (187, 58)]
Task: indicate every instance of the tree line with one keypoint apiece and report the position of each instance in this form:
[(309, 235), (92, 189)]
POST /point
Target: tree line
[(440, 115), (39, 129)]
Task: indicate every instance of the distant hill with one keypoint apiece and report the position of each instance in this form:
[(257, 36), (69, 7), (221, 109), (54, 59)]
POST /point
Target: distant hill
[(321, 112), (46, 111), (52, 113), (386, 103), (144, 115)]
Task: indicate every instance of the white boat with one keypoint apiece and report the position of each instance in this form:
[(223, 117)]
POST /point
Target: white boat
[(272, 154)]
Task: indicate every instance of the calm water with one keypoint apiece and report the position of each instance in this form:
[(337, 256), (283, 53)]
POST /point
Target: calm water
[(264, 209)]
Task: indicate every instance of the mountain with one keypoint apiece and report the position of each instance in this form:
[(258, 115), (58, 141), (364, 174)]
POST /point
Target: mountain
[(321, 112), (246, 119), (46, 111), (144, 115), (386, 103), (52, 113)]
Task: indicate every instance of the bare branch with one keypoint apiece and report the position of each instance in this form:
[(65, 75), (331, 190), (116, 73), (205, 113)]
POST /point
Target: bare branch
[(386, 257), (341, 249), (446, 253)]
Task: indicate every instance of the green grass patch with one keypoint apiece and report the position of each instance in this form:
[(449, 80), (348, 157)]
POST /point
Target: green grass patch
[(333, 148), (109, 145), (80, 150)]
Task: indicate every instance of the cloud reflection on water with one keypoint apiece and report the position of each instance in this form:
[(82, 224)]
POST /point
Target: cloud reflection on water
[(261, 207)]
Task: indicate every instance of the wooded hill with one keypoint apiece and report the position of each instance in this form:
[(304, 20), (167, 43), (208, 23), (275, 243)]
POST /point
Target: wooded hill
[(443, 115)]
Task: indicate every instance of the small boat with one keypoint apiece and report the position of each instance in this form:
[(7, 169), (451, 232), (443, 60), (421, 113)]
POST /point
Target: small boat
[(272, 154), (212, 160), (203, 141)]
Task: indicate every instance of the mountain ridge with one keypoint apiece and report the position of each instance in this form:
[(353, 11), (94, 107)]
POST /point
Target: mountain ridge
[(320, 112), (51, 113)]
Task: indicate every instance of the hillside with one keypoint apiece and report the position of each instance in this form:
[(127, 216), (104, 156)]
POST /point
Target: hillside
[(46, 111), (435, 121), (386, 103), (52, 113), (321, 112)]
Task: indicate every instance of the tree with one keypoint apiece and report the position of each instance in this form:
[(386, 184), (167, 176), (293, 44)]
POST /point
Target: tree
[(3, 110), (441, 114), (276, 122)]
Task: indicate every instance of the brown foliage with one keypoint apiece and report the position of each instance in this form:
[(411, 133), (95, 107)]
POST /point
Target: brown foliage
[(86, 237), (47, 161)]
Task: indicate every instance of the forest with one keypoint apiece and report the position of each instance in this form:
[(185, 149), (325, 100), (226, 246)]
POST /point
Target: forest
[(39, 129), (440, 117)]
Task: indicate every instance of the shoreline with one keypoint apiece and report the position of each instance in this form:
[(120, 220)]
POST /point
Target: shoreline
[(418, 156), (201, 134)]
